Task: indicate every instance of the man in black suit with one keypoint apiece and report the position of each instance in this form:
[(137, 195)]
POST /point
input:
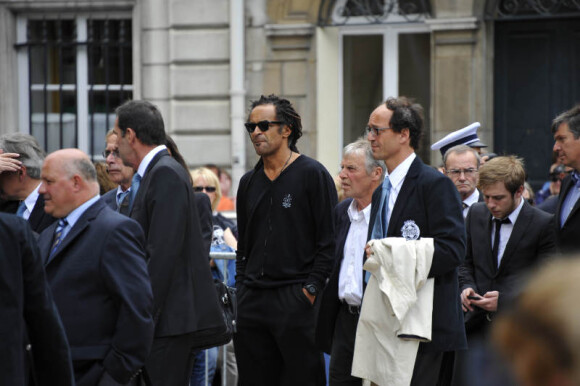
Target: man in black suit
[(461, 166), (28, 310), (95, 265), (506, 237), (22, 184), (117, 199), (566, 130), (415, 200), (360, 175), (185, 300)]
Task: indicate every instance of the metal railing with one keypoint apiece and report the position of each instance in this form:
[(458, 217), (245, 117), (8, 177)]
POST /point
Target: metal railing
[(220, 256)]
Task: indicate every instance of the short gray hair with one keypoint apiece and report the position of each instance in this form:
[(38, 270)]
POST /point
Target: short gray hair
[(83, 167), (363, 146), (461, 149), (31, 154)]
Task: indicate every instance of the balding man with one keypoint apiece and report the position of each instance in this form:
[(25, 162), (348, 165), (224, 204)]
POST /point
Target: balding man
[(95, 265), (20, 182)]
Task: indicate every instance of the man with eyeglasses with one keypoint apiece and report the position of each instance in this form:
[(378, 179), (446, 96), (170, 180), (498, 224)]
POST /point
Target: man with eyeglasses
[(461, 166), (119, 173), (417, 201), (506, 238), (285, 251), (20, 179)]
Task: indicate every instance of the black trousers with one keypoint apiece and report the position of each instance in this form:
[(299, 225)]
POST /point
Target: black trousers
[(274, 342), (343, 348), (427, 367), (171, 360)]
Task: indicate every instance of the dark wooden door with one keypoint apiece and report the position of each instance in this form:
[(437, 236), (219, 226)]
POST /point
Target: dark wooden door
[(537, 76)]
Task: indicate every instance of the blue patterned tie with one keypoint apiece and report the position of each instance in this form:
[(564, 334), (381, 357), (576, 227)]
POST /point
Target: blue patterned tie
[(58, 236), (21, 209), (123, 199), (381, 224), (135, 182), (382, 221)]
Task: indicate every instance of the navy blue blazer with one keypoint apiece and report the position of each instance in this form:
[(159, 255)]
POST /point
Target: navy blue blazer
[(430, 199), (110, 198), (100, 285), (329, 303), (27, 308), (185, 299)]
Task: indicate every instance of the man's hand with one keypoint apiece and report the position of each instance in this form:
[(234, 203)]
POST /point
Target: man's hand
[(488, 302), (368, 251), (465, 301), (9, 163), (310, 297)]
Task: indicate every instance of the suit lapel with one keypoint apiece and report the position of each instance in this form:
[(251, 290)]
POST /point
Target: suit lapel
[(37, 212), (406, 191), (77, 229), (145, 180), (517, 232), (566, 185), (487, 242)]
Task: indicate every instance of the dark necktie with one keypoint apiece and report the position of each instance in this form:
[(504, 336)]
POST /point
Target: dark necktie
[(58, 236), (123, 202), (495, 249)]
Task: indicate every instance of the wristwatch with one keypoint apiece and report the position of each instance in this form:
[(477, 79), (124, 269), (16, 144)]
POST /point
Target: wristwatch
[(311, 289)]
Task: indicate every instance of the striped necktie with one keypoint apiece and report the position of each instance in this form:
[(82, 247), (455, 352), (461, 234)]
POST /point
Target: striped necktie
[(58, 236), (123, 200)]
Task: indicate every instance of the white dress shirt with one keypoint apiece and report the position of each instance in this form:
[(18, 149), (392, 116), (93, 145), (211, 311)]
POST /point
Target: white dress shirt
[(397, 177), (505, 231), (147, 160), (472, 199), (350, 281), (30, 202)]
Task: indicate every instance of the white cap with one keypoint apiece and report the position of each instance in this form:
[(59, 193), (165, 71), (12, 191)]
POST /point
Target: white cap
[(466, 136)]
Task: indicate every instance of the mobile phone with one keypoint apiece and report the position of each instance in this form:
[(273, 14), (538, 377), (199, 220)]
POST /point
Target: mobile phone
[(474, 298)]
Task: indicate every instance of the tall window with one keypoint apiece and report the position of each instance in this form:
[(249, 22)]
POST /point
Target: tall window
[(73, 72)]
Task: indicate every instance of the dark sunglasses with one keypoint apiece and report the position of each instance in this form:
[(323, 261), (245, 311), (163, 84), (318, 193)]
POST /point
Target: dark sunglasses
[(262, 125), (209, 189), (115, 153)]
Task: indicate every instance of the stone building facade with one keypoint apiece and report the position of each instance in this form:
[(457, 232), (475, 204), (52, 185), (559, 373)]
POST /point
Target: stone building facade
[(202, 61)]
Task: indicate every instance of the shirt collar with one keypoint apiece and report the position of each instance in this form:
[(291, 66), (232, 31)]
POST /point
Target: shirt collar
[(30, 201), (354, 214), (120, 190), (398, 174), (513, 216), (147, 159), (78, 212), (472, 199)]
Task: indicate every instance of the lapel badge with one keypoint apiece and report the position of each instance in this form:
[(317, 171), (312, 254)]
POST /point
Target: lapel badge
[(410, 230)]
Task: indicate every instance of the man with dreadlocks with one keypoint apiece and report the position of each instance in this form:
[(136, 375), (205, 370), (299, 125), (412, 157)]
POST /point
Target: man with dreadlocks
[(285, 251)]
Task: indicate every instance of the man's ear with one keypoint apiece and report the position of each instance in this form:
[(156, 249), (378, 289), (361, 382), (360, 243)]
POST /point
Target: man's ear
[(23, 172), (405, 135), (130, 135)]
